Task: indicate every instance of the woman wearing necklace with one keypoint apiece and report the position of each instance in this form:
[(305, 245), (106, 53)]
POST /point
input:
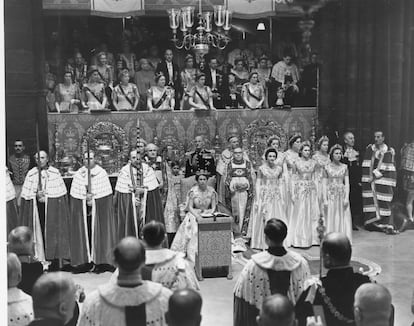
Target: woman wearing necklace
[(188, 76), (304, 214), (93, 92), (160, 97), (263, 72), (321, 157), (67, 95), (201, 96), (201, 200), (253, 92), (125, 96), (336, 195), (269, 200)]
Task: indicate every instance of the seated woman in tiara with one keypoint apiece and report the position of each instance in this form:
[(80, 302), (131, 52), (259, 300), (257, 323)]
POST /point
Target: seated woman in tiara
[(201, 96), (125, 96), (93, 92), (201, 200), (160, 96)]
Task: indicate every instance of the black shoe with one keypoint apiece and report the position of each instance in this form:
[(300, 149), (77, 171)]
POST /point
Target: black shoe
[(83, 268), (67, 268), (354, 227), (102, 268)]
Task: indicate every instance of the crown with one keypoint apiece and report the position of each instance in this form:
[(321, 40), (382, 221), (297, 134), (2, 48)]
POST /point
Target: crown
[(70, 132), (203, 172)]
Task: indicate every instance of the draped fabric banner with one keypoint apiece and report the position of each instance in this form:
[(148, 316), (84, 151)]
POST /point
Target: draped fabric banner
[(67, 4), (163, 5), (250, 9), (117, 8)]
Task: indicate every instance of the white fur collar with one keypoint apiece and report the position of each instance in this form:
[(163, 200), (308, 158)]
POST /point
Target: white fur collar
[(124, 296), (290, 261), (159, 256)]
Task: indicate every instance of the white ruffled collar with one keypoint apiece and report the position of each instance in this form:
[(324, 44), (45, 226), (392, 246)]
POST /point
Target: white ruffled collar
[(15, 295), (288, 262), (159, 256), (124, 296)]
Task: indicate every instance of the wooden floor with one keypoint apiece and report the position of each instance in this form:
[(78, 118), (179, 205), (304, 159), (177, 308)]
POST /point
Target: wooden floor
[(395, 255)]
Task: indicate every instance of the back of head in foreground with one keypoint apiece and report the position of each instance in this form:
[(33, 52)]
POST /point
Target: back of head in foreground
[(372, 305), (184, 308), (277, 310), (54, 296), (14, 270), (336, 250), (20, 241), (153, 234), (275, 232), (129, 256)]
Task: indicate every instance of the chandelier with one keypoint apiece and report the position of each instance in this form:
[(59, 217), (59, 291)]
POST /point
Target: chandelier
[(204, 36)]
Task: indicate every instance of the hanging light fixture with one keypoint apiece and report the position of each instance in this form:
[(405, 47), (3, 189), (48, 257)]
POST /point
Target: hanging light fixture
[(212, 29), (261, 26)]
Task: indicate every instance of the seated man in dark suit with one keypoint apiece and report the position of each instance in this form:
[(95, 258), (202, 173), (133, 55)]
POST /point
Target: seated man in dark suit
[(333, 299)]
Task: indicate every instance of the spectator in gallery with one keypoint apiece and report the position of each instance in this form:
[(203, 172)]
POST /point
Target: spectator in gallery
[(188, 77), (153, 57), (241, 73), (230, 93), (291, 91), (79, 69), (201, 96), (241, 52), (125, 96), (309, 81), (128, 58), (253, 93), (263, 72), (279, 71), (144, 79), (105, 70), (67, 95), (50, 93), (160, 96), (93, 92), (214, 79), (103, 48)]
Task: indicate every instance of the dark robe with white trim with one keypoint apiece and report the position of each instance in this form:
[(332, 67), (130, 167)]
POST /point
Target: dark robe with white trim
[(378, 194)]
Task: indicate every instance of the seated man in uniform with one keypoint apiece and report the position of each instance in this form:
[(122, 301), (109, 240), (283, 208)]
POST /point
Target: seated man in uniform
[(337, 287), (130, 300), (200, 159), (274, 271)]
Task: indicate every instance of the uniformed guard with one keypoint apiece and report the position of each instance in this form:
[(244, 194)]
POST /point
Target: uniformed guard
[(200, 159)]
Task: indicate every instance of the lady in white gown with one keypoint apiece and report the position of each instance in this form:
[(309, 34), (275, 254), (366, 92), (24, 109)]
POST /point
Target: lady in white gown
[(201, 199), (268, 200), (160, 96), (304, 215), (253, 92), (321, 157), (290, 158), (337, 212)]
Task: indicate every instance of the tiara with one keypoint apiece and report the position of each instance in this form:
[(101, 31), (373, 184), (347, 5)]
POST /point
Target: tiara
[(295, 135), (334, 147), (203, 172), (159, 74)]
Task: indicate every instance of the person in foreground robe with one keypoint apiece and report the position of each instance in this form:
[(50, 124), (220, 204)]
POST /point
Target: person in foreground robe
[(163, 265), (274, 271), (130, 300), (45, 210), (137, 197), (11, 204), (93, 227), (239, 189), (333, 294), (379, 178)]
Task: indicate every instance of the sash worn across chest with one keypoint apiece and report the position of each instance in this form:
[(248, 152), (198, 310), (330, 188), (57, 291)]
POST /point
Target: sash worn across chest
[(93, 94), (252, 95), (205, 102), (160, 101), (126, 96)]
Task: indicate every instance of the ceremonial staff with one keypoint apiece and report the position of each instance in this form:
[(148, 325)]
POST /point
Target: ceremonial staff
[(39, 169), (88, 157)]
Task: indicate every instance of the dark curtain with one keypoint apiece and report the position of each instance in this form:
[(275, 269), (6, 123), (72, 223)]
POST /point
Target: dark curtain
[(367, 75)]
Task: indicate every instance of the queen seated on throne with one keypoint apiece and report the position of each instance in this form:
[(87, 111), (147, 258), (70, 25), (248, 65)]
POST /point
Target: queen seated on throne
[(201, 202)]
